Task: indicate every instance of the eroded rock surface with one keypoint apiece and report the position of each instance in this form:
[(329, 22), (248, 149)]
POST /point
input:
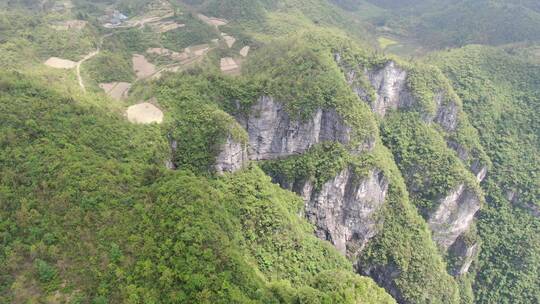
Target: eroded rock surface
[(454, 216), (344, 210), (464, 254), (390, 84), (447, 113), (274, 134), (478, 168), (232, 157)]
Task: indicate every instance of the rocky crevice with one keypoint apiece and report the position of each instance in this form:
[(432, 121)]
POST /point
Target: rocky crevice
[(173, 145), (464, 255)]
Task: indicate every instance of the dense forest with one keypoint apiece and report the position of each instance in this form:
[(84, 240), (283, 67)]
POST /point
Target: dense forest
[(290, 151)]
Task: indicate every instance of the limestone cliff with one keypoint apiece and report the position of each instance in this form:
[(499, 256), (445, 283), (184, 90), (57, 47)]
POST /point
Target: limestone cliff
[(273, 133), (463, 254), (454, 215), (391, 91), (447, 112), (232, 157), (390, 84), (344, 210)]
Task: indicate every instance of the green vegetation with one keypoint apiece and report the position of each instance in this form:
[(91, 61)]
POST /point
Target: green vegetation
[(318, 165), (194, 32), (500, 95), (234, 239), (385, 42), (89, 214), (133, 40), (109, 67), (429, 168), (29, 37)]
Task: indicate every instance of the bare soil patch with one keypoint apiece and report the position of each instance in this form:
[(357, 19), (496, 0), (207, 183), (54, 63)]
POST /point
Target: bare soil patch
[(229, 66), (116, 90), (166, 26), (69, 25), (59, 63), (229, 40), (244, 51), (144, 113), (142, 67), (212, 20)]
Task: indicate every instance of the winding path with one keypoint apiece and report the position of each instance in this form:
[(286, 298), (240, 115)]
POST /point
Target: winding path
[(88, 57)]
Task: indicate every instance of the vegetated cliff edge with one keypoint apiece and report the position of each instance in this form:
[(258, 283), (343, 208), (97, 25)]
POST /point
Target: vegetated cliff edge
[(351, 189)]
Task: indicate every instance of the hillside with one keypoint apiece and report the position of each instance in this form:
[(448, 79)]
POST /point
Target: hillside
[(427, 24), (204, 151)]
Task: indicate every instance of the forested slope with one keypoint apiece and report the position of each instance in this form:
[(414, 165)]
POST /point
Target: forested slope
[(316, 170), (501, 94), (139, 233)]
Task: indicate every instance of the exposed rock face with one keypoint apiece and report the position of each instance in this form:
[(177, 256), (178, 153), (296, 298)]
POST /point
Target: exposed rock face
[(465, 254), (344, 209), (479, 169), (232, 157), (447, 113), (454, 216), (274, 134), (169, 163), (390, 84), (384, 276)]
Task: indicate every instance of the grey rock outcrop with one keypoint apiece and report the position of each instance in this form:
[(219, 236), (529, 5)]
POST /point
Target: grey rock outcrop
[(454, 216), (389, 83), (479, 169), (173, 145), (464, 254), (344, 210), (274, 134), (447, 113), (232, 157), (391, 90)]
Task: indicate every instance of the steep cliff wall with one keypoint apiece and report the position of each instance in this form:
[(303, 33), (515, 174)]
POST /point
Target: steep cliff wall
[(233, 156), (454, 215), (273, 133), (389, 83), (390, 87), (344, 209)]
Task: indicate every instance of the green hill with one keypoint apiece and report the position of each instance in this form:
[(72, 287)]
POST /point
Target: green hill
[(295, 162)]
